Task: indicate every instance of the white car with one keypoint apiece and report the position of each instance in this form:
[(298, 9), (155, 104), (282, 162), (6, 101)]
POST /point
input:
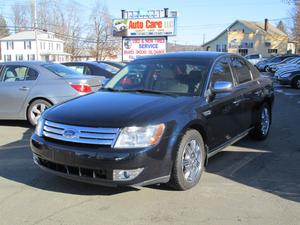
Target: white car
[(254, 58)]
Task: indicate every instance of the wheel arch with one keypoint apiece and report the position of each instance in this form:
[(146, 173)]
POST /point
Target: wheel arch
[(34, 99), (199, 126)]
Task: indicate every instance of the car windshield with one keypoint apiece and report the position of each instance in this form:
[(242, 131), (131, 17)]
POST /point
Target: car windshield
[(108, 68), (290, 59), (161, 77), (61, 70)]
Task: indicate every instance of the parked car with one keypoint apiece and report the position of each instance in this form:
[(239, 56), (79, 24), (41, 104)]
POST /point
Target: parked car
[(93, 68), (289, 77), (263, 65), (271, 68), (119, 65), (294, 63), (29, 88), (158, 120), (254, 58)]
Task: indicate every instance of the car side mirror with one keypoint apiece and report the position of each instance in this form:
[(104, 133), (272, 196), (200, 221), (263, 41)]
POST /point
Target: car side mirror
[(222, 87)]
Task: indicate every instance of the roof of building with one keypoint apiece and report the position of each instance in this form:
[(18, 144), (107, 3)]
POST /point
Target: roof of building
[(255, 26), (29, 35)]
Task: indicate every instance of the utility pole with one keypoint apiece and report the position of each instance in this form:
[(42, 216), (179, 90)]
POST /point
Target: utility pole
[(35, 29)]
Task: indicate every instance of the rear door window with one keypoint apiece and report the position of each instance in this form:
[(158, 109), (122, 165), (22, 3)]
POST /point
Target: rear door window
[(241, 70)]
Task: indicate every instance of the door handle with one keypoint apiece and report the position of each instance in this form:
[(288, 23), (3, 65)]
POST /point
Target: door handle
[(24, 88)]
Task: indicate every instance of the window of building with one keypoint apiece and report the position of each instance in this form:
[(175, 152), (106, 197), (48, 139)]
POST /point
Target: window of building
[(272, 51), (44, 45), (19, 57), (30, 57), (27, 44), (221, 48), (10, 45), (243, 51), (7, 58), (57, 46), (241, 70)]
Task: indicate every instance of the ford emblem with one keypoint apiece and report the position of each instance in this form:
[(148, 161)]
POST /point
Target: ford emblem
[(69, 134)]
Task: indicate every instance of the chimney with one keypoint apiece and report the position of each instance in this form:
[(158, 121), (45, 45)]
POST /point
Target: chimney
[(266, 24)]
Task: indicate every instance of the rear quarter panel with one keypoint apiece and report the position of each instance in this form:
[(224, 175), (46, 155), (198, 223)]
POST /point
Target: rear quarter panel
[(50, 87)]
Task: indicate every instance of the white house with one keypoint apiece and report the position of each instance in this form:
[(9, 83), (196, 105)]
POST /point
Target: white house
[(32, 45)]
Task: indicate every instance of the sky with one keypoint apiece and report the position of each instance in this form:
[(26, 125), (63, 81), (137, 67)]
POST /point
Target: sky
[(197, 19)]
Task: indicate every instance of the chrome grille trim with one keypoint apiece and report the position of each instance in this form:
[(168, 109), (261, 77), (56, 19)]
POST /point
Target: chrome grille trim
[(84, 135)]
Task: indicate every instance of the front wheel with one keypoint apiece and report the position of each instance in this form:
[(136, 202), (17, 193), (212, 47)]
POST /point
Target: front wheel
[(189, 161), (263, 123), (296, 83), (35, 110)]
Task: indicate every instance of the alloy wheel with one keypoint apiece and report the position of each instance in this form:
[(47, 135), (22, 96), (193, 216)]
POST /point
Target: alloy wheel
[(265, 121), (37, 111), (191, 161)]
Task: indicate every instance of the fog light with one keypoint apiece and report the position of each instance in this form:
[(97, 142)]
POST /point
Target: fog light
[(126, 175)]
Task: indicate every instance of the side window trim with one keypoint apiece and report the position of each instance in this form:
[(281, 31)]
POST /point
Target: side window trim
[(225, 59), (236, 76), (37, 73)]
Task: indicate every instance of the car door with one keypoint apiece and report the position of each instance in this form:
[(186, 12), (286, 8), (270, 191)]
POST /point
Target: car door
[(222, 116), (16, 82), (246, 88)]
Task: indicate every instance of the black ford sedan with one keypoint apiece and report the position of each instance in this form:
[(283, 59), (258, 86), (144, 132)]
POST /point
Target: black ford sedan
[(158, 120)]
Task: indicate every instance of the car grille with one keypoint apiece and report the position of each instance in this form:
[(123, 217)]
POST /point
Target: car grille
[(76, 171), (79, 134)]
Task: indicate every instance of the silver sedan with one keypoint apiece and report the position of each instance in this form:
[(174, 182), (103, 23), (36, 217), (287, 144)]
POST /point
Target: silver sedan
[(29, 88)]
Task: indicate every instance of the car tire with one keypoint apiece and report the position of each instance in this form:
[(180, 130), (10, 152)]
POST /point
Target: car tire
[(189, 161), (296, 83), (263, 123), (35, 109)]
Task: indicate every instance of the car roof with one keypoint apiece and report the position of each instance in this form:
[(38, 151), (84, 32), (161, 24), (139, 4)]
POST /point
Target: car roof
[(187, 55)]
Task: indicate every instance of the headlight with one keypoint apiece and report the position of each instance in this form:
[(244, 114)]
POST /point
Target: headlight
[(285, 75), (39, 127), (140, 137)]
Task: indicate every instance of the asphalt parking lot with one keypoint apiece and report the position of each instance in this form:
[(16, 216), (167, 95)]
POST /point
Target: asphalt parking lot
[(248, 183)]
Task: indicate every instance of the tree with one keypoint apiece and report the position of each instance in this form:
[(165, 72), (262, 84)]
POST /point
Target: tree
[(21, 19), (104, 45), (281, 26), (4, 31), (295, 14)]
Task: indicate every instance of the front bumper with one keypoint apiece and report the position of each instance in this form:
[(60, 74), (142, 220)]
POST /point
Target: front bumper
[(284, 81), (94, 164)]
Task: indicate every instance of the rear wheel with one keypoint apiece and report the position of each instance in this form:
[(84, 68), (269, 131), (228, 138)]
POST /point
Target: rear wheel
[(35, 110), (296, 83), (189, 162), (263, 123)]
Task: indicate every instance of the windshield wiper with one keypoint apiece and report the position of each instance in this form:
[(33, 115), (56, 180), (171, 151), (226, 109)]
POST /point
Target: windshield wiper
[(111, 89), (150, 91)]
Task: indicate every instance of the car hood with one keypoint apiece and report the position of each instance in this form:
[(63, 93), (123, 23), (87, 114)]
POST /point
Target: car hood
[(118, 109)]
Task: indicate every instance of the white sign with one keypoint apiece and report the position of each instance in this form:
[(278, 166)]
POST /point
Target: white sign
[(144, 27), (134, 48)]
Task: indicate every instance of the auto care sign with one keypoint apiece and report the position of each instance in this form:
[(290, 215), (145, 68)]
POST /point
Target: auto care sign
[(134, 48), (144, 27)]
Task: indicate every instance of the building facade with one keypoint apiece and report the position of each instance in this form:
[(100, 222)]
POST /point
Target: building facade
[(32, 45), (246, 37)]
